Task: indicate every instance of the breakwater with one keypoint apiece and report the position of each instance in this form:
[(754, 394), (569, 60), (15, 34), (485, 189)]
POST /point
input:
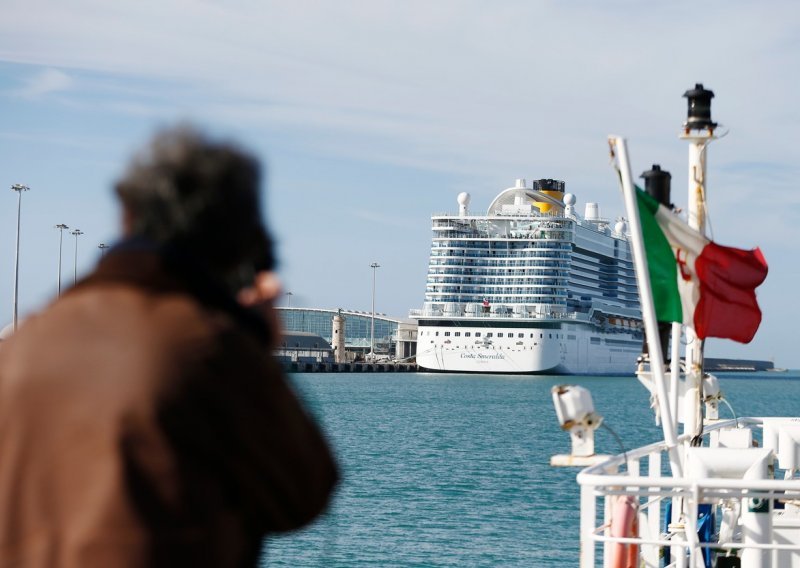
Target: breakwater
[(712, 364)]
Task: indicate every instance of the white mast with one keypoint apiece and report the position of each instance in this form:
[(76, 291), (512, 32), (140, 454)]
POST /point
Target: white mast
[(698, 130)]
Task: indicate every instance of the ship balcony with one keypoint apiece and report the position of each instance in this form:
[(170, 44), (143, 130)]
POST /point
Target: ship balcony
[(497, 312), (513, 236), (483, 249), (493, 266), (516, 281), (498, 292), (508, 273), (503, 298), (552, 259)]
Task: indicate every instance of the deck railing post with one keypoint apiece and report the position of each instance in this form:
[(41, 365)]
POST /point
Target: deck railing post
[(650, 554), (588, 515)]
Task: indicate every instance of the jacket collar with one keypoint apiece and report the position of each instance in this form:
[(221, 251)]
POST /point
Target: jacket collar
[(170, 269)]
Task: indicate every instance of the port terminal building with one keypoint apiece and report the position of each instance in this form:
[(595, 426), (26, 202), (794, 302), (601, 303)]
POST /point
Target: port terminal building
[(395, 339)]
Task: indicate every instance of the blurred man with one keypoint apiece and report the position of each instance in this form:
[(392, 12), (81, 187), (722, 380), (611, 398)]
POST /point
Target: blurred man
[(143, 421)]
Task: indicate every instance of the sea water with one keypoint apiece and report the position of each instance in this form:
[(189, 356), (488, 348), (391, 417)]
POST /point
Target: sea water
[(453, 470)]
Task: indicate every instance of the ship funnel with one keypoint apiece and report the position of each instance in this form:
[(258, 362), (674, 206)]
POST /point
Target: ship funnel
[(657, 184), (699, 114), (552, 187)]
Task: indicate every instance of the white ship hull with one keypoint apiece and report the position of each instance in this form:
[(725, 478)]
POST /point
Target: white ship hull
[(573, 349)]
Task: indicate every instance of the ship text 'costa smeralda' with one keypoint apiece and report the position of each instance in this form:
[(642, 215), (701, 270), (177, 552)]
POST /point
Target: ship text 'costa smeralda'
[(529, 287)]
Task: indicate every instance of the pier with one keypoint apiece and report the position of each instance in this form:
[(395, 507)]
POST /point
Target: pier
[(359, 367)]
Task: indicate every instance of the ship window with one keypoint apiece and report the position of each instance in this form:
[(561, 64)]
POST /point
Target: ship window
[(447, 334), (550, 335), (541, 336), (437, 334), (458, 334), (467, 334), (477, 334), (490, 334), (521, 335), (499, 335)]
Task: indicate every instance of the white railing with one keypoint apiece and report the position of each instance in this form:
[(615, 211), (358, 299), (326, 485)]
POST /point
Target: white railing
[(602, 488)]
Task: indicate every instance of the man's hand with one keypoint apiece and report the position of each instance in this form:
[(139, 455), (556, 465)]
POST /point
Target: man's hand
[(261, 297)]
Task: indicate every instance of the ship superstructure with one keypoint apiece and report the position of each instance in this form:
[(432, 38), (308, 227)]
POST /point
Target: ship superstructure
[(529, 287)]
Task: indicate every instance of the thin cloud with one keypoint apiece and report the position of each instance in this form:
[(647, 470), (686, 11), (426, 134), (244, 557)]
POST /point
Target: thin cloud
[(45, 82), (379, 218)]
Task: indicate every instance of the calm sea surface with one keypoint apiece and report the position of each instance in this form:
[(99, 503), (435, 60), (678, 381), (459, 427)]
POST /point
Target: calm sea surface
[(453, 470)]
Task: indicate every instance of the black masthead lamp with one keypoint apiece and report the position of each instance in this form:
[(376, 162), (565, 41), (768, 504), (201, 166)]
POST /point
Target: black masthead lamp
[(657, 184), (699, 115)]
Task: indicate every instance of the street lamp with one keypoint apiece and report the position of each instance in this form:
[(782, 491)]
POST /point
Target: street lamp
[(77, 233), (19, 188), (374, 267), (103, 247), (60, 228), (288, 299)]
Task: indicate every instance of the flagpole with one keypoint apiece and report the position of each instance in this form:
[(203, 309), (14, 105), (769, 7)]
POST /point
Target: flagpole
[(674, 372), (648, 306)]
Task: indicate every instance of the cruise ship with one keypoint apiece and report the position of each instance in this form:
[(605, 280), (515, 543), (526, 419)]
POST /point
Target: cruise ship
[(532, 286)]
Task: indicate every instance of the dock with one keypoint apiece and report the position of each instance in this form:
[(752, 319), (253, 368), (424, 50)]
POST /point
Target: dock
[(359, 367)]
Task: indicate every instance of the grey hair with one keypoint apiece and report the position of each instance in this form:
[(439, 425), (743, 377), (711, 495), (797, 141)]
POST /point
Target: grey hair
[(202, 195)]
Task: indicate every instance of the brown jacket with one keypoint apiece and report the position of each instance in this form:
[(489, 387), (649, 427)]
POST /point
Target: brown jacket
[(142, 423)]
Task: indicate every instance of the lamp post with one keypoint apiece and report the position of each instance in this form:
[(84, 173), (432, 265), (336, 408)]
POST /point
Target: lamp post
[(103, 247), (60, 228), (19, 188), (288, 299), (77, 233), (374, 267)]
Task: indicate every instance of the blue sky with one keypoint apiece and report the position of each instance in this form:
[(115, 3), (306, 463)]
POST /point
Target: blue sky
[(373, 115)]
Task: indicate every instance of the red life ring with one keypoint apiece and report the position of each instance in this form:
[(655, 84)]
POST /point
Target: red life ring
[(624, 524)]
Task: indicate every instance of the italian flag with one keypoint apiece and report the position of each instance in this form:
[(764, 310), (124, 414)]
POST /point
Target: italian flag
[(696, 281)]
